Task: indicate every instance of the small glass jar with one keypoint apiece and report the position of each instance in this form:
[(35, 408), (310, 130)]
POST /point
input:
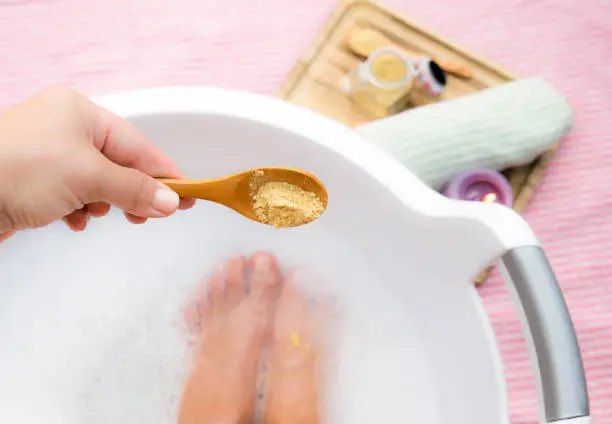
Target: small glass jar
[(380, 81)]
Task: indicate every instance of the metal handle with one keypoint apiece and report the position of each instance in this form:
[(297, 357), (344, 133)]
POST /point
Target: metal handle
[(563, 385)]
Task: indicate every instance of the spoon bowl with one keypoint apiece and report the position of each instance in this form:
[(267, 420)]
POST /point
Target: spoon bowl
[(236, 191)]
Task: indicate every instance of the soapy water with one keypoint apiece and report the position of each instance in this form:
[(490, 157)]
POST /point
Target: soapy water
[(106, 308)]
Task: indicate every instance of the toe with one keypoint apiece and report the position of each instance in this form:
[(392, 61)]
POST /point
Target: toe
[(216, 291), (235, 289), (264, 277), (197, 309), (265, 281), (292, 310)]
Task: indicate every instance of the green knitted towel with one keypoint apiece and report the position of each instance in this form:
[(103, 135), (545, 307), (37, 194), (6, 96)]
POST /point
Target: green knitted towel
[(504, 126)]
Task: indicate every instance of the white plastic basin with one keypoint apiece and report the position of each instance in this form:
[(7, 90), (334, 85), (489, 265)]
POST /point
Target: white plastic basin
[(90, 323)]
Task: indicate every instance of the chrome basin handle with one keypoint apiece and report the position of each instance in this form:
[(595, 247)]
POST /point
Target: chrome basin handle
[(546, 319)]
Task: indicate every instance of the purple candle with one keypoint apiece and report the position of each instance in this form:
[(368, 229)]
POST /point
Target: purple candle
[(480, 185)]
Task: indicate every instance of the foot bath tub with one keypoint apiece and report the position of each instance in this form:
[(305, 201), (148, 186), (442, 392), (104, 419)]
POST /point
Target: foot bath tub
[(90, 323)]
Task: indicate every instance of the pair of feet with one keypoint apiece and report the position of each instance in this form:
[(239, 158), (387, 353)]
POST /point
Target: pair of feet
[(248, 308)]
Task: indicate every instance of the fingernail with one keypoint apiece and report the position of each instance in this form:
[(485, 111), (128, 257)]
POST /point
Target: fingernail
[(165, 200)]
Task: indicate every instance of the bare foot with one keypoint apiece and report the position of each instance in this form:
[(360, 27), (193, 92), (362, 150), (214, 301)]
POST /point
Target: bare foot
[(237, 319), (292, 380)]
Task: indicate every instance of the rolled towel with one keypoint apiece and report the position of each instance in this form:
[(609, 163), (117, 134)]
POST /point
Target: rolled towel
[(508, 125)]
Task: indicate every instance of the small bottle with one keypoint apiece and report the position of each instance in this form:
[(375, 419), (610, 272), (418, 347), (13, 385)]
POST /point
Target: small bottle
[(430, 82), (430, 76), (379, 82)]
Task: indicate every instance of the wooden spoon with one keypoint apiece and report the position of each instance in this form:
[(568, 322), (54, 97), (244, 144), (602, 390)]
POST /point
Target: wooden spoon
[(236, 191)]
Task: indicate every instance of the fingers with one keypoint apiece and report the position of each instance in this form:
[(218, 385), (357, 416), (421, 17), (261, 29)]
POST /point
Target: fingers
[(77, 220), (124, 144), (135, 192), (101, 209), (121, 142), (6, 235), (186, 203), (98, 209), (135, 219)]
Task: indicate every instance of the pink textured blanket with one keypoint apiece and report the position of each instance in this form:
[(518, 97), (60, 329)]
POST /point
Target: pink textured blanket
[(109, 45)]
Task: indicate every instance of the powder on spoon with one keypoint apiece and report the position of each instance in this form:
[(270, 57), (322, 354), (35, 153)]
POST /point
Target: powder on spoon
[(281, 204)]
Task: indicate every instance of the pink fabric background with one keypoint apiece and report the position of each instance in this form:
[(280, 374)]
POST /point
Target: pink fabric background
[(109, 45)]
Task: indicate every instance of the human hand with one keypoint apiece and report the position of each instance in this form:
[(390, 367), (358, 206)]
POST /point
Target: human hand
[(64, 157)]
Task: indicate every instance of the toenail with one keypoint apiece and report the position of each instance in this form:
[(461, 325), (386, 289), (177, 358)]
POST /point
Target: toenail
[(262, 263)]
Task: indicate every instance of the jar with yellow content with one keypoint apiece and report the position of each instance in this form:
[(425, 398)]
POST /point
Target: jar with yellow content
[(379, 82)]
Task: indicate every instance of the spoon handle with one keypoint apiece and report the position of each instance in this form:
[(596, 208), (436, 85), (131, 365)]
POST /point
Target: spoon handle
[(189, 188)]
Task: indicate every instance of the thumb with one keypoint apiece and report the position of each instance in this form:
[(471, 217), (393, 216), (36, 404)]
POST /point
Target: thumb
[(132, 191)]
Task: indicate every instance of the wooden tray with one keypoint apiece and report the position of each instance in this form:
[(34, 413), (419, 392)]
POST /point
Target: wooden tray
[(314, 80)]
